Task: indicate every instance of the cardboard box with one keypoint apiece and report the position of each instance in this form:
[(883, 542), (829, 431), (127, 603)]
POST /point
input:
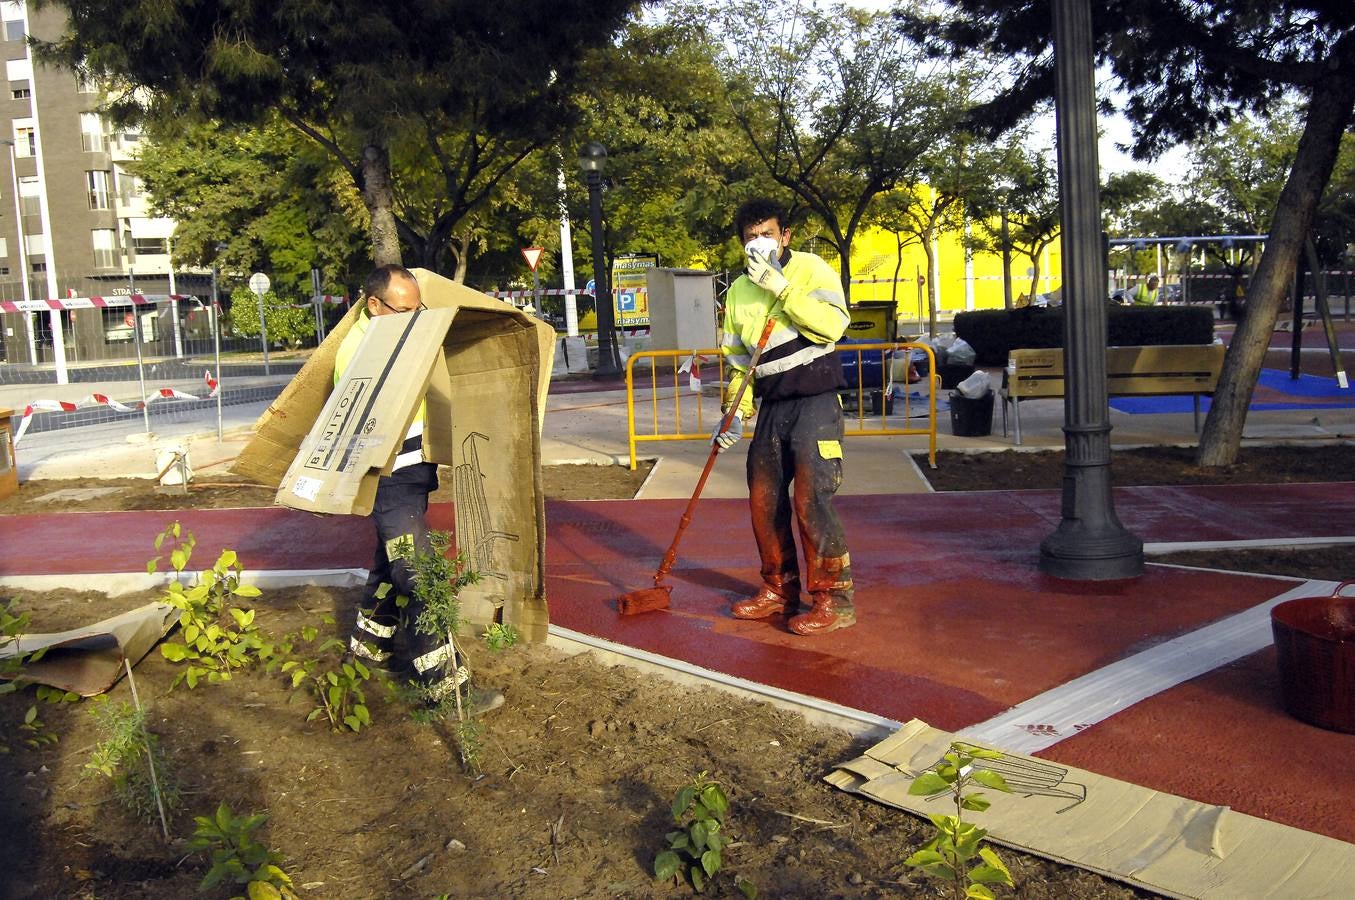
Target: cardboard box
[(483, 368)]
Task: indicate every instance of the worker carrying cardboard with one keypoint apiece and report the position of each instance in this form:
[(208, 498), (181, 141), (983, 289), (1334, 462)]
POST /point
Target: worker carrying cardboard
[(798, 435), (400, 516)]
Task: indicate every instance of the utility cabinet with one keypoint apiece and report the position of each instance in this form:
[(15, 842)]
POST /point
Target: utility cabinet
[(682, 309)]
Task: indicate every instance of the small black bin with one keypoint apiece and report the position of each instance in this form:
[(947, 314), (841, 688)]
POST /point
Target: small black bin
[(971, 418)]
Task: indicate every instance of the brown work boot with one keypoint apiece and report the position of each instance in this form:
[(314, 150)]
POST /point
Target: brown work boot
[(764, 603), (826, 616)]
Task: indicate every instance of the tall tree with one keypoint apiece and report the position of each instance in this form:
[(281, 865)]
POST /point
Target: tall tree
[(468, 88), (836, 104), (255, 199), (1030, 194), (1187, 66)]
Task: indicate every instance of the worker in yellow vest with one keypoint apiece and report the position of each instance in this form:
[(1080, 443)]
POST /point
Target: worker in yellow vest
[(1146, 294)]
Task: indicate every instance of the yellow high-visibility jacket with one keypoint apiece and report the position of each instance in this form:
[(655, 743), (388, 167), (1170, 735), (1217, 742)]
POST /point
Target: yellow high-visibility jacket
[(411, 449), (799, 359)]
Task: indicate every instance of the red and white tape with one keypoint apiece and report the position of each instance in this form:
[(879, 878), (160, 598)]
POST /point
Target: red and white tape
[(105, 400)]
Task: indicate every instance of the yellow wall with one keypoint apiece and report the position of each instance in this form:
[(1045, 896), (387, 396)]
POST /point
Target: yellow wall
[(876, 250)]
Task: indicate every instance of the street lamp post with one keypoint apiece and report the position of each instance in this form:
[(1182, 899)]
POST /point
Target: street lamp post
[(592, 160), (1090, 544)]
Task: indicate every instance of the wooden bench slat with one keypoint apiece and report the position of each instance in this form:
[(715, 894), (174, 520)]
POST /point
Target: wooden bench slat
[(1130, 371)]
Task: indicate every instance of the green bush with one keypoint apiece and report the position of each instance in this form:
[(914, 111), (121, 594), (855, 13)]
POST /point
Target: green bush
[(994, 332)]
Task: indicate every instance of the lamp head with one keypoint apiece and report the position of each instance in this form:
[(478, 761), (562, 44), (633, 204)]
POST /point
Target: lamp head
[(593, 157)]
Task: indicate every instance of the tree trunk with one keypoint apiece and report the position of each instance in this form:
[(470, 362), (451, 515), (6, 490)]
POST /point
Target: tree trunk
[(933, 289), (380, 202), (1329, 113)]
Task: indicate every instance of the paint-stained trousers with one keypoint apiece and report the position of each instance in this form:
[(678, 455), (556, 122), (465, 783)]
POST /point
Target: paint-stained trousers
[(400, 514), (794, 469)]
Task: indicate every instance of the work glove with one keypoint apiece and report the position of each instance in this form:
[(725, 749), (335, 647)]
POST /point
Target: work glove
[(730, 436), (765, 272)]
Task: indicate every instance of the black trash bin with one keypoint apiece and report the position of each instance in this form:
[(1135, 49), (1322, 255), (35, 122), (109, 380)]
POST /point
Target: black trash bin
[(971, 418)]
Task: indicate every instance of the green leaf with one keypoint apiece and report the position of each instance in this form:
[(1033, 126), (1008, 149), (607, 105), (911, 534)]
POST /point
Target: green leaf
[(683, 800), (698, 833), (315, 714), (247, 590), (698, 879), (747, 888), (979, 892), (227, 559), (190, 633), (30, 715), (991, 858), (710, 861), (989, 778), (928, 783), (681, 842), (976, 802), (666, 865), (352, 722), (924, 858), (714, 799), (362, 714), (988, 875), (178, 558)]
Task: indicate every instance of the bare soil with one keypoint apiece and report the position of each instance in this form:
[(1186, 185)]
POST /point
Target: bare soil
[(577, 770), (572, 799)]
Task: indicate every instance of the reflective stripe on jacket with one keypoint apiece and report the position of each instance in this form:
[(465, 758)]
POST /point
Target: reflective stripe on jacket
[(799, 360)]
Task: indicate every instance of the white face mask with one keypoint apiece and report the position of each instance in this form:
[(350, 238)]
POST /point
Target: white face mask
[(763, 246)]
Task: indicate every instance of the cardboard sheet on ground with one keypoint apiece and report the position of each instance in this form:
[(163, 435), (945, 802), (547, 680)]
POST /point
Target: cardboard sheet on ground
[(1153, 840), (484, 369), (88, 660)]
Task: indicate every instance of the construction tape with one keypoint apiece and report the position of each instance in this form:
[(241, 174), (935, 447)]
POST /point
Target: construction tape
[(104, 400)]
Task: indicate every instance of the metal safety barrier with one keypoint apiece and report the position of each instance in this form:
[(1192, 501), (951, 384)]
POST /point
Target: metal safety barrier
[(669, 421)]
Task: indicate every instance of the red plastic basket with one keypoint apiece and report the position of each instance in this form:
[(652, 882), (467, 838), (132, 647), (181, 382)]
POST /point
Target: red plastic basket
[(1315, 647)]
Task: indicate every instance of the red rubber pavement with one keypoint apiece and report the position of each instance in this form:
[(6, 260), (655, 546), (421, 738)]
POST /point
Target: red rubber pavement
[(956, 623)]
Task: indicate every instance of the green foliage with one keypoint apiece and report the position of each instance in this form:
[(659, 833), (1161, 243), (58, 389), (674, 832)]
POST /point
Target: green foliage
[(321, 672), (696, 848), (218, 636), (499, 636), (125, 756), (437, 581), (34, 733), (289, 322), (957, 844), (236, 856)]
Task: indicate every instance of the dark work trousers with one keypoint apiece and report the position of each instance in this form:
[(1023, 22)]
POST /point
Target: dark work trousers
[(799, 442), (400, 515)]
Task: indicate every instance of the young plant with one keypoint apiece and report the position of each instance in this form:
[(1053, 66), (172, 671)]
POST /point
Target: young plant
[(131, 757), (958, 844), (337, 690), (500, 637), (237, 857), (218, 636), (438, 581), (696, 848), (35, 733)]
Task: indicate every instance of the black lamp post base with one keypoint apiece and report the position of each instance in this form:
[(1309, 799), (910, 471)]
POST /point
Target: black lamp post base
[(1082, 551)]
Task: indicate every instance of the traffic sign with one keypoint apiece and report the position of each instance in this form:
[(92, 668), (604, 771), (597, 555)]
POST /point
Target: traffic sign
[(533, 256), (259, 283)]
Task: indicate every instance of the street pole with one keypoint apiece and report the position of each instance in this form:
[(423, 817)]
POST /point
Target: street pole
[(136, 339), (592, 159), (216, 344), (1089, 544)]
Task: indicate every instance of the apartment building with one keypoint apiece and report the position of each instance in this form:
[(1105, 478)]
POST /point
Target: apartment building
[(73, 219)]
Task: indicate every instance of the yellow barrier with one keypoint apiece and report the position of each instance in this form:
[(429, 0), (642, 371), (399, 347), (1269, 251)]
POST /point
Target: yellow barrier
[(669, 425)]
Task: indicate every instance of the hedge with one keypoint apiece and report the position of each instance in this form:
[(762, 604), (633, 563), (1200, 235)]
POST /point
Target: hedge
[(994, 332)]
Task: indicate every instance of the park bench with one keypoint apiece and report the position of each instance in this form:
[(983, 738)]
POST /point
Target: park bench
[(1130, 372)]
